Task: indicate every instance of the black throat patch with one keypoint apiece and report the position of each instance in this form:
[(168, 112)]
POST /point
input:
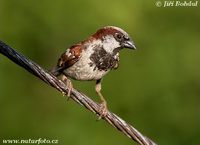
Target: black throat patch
[(102, 59)]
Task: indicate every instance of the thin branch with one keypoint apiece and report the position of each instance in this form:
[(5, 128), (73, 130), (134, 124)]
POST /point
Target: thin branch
[(76, 95)]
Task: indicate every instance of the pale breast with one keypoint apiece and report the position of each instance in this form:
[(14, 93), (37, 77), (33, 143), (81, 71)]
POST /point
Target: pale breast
[(85, 69)]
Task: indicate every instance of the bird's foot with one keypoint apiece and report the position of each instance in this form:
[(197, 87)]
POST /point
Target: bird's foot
[(103, 110), (69, 86)]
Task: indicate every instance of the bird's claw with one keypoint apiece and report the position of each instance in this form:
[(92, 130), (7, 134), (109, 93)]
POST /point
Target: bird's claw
[(103, 110), (69, 86), (63, 93)]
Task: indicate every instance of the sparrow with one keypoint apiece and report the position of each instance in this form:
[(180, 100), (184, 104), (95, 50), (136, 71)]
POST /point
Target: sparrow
[(93, 58)]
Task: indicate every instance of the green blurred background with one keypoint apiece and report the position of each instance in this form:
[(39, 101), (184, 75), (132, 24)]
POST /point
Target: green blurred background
[(156, 88)]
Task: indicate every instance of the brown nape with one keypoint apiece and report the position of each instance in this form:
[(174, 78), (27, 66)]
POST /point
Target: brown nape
[(105, 31)]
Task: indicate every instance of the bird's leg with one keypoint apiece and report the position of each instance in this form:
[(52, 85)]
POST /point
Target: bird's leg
[(103, 106), (68, 84)]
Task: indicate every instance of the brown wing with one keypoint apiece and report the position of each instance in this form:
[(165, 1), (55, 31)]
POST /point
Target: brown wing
[(68, 58)]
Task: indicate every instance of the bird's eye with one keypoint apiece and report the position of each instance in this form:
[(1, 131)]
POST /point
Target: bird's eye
[(118, 36)]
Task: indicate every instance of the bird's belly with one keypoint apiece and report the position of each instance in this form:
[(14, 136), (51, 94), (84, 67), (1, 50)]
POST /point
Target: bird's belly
[(84, 71)]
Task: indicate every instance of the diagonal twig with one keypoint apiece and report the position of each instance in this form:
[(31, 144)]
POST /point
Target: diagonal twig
[(76, 95)]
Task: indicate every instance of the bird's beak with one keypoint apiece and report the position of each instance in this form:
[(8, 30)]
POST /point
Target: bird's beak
[(129, 44)]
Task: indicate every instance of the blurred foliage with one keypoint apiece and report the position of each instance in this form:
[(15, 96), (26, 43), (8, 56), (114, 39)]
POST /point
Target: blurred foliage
[(156, 88)]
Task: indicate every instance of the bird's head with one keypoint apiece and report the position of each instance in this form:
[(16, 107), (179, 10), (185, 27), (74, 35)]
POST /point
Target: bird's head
[(114, 39)]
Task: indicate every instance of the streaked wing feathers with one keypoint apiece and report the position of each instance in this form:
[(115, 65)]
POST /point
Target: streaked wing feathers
[(70, 57)]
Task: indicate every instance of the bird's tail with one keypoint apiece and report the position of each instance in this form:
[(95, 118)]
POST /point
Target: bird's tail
[(56, 71)]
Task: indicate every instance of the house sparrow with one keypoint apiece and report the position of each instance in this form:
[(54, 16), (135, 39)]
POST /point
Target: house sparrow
[(93, 58)]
